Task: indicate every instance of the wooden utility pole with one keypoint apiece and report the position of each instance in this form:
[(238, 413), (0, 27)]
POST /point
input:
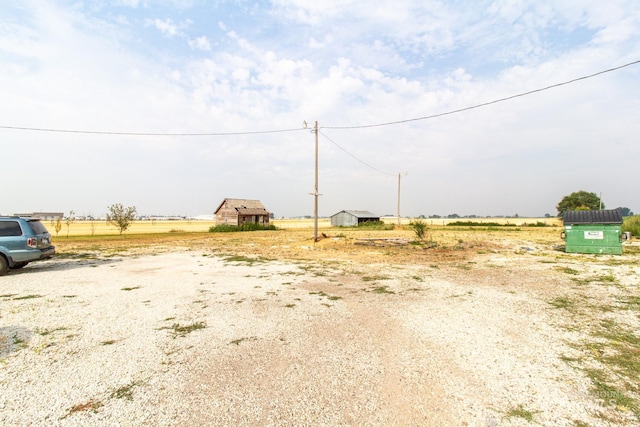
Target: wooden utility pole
[(399, 173), (315, 189)]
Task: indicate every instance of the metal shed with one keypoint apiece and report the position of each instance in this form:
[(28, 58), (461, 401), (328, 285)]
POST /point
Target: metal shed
[(593, 232), (352, 218)]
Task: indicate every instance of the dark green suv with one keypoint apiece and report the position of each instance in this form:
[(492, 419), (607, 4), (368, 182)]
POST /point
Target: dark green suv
[(23, 240)]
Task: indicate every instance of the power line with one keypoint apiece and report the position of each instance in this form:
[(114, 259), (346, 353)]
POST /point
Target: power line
[(358, 159), (149, 133), (460, 110), (484, 104)]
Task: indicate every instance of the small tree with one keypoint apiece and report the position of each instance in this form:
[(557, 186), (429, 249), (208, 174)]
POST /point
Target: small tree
[(58, 226), (579, 200), (120, 216), (69, 220)]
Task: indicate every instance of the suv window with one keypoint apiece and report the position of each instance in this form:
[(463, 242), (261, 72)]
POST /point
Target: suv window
[(37, 227), (10, 228)]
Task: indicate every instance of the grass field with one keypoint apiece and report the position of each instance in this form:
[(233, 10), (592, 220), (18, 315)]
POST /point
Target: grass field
[(90, 228)]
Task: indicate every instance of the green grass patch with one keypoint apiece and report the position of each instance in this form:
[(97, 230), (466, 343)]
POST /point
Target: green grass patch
[(124, 392), (562, 302), (520, 412), (382, 290), (28, 297), (375, 278), (178, 330), (241, 259), (567, 270), (603, 390)]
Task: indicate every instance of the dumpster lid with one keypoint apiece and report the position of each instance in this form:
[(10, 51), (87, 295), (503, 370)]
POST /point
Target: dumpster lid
[(609, 216)]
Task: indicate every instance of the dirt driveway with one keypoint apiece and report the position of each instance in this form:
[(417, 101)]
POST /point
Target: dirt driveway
[(203, 338)]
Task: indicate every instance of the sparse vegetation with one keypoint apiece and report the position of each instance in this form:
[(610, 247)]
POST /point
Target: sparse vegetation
[(382, 290), (248, 226), (124, 392), (562, 302), (632, 225), (520, 412), (28, 297), (91, 405), (178, 330), (419, 228)]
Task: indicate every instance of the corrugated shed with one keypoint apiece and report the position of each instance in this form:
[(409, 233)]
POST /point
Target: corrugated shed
[(352, 218), (362, 214), (610, 216)]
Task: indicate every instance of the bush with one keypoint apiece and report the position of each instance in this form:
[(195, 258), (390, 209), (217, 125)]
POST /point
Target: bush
[(632, 225), (249, 226), (376, 225), (419, 227)]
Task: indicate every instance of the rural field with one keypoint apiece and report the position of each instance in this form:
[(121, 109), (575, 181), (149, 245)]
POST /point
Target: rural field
[(170, 325), (96, 227)]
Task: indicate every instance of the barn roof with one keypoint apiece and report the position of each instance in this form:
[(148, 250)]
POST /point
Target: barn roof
[(360, 214), (245, 206), (610, 216)]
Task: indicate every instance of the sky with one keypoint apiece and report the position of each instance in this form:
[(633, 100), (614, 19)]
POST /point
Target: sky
[(171, 106)]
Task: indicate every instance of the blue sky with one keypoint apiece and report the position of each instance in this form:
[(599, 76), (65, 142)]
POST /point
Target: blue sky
[(229, 68)]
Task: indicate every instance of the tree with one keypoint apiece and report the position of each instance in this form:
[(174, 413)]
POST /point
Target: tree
[(58, 226), (579, 200), (625, 211), (69, 220), (121, 217)]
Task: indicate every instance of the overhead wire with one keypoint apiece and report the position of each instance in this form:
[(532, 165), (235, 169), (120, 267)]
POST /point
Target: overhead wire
[(484, 104), (92, 132), (355, 157), (185, 134)]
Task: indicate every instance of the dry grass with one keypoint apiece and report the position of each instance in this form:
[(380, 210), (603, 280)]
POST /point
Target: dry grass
[(89, 228), (451, 244)]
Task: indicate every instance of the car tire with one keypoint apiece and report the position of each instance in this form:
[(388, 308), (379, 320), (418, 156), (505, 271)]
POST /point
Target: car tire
[(4, 265), (20, 264)]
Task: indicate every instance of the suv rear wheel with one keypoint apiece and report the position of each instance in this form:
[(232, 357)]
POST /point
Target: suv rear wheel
[(4, 265)]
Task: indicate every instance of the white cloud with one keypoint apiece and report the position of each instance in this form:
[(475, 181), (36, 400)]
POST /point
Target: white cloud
[(200, 43), (128, 3), (166, 26), (338, 63)]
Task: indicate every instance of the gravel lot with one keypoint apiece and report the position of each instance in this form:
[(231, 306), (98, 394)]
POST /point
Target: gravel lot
[(193, 339)]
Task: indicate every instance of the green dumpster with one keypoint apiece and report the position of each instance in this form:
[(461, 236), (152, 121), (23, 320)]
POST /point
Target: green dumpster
[(593, 232)]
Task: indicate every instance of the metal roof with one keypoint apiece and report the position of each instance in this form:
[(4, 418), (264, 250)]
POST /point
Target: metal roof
[(360, 214), (612, 216)]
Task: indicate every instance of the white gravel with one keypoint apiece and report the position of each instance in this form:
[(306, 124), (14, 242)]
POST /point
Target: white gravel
[(188, 339)]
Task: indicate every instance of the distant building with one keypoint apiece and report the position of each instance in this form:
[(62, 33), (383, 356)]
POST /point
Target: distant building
[(241, 211), (45, 216), (352, 218)]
